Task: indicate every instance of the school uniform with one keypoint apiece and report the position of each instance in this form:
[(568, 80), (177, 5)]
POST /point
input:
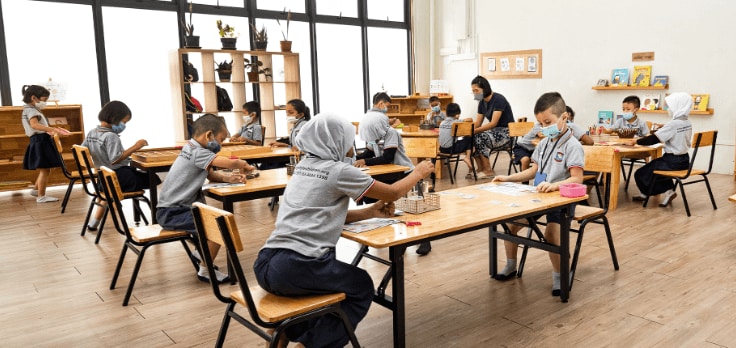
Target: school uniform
[(524, 146), (640, 125), (676, 136), (437, 119), (41, 151), (252, 132), (446, 137)]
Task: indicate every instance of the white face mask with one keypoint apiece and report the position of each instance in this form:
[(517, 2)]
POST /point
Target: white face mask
[(291, 119), (247, 119), (41, 105)]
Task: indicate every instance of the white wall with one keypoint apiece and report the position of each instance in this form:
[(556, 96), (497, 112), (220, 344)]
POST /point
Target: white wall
[(582, 41)]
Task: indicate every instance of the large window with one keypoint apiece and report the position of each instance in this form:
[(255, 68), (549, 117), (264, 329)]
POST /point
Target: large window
[(391, 10), (387, 54), (340, 70), (280, 5), (344, 8)]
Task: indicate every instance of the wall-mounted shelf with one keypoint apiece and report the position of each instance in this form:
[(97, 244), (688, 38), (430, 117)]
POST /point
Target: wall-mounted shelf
[(614, 88), (709, 111)]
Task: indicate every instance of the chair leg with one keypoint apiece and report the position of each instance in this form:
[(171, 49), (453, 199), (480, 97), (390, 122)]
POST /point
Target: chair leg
[(225, 323), (576, 253), (348, 327), (102, 225), (628, 177), (189, 255), (67, 194), (710, 193), (684, 198), (133, 277), (449, 171), (611, 248), (119, 266), (89, 214)]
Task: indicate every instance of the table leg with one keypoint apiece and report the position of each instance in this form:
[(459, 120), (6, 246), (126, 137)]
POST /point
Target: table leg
[(492, 249), (153, 192), (565, 254), (615, 181), (396, 254)]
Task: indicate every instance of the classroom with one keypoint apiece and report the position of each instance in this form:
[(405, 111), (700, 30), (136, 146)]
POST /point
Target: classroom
[(674, 285)]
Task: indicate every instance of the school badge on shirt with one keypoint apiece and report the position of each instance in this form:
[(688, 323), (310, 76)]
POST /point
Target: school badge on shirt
[(559, 155)]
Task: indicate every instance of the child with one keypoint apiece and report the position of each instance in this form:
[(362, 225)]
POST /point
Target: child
[(445, 137), (41, 152), (297, 114), (299, 256), (436, 116), (556, 160), (630, 119), (183, 184), (381, 101), (251, 133), (676, 136), (107, 150)]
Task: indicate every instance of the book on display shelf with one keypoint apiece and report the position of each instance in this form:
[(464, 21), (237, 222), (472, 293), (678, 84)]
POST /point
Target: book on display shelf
[(620, 77), (641, 76)]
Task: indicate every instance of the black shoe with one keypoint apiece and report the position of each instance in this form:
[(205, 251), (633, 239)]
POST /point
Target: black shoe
[(639, 198), (91, 228), (505, 277), (424, 248), (556, 292)]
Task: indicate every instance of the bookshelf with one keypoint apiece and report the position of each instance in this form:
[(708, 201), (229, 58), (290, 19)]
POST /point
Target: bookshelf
[(410, 110), (707, 112)]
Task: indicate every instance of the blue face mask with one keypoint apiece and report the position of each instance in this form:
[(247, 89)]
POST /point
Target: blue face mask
[(213, 146), (551, 131), (435, 109), (628, 115), (118, 128)]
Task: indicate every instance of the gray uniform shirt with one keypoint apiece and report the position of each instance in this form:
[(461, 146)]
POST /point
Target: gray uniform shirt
[(676, 135), (392, 139), (436, 120), (315, 205), (30, 112), (639, 124), (105, 147), (183, 184), (445, 136), (252, 132), (556, 161)]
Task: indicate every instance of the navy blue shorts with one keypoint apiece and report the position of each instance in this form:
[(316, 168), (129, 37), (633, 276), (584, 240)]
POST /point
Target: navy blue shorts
[(460, 146), (519, 152), (176, 218)]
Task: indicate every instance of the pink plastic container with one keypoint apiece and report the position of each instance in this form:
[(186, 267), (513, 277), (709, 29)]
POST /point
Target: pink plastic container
[(572, 190)]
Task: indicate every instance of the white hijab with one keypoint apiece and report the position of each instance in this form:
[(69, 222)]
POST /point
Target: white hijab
[(679, 104), (327, 136)]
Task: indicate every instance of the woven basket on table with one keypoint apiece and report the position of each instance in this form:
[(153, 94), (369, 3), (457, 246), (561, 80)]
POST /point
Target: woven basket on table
[(626, 132)]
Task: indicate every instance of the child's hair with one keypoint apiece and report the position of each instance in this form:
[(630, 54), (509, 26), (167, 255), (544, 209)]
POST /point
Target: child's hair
[(570, 113), (34, 91), (300, 108), (253, 106), (209, 122), (453, 109), (381, 97), (550, 100), (433, 99), (113, 112), (632, 99), (483, 83)]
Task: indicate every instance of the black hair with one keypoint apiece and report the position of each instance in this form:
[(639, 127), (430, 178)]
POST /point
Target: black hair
[(113, 112), (253, 106), (632, 99), (209, 122), (34, 91), (381, 97), (550, 100), (300, 108), (570, 113), (452, 109), (434, 98), (483, 83)]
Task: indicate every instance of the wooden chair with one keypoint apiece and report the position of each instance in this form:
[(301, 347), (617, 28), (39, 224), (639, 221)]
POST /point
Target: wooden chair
[(597, 159), (266, 310), (700, 140), (85, 165), (137, 239), (459, 131), (517, 129), (73, 176)]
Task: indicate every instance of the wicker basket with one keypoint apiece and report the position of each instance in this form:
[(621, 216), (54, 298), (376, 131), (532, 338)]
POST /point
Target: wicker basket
[(626, 132), (418, 205)]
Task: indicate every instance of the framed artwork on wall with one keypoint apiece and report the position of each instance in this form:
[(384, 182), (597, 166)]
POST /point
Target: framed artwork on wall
[(526, 64)]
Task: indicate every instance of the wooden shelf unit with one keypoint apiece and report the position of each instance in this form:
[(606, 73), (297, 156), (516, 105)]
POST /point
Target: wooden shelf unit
[(692, 112), (599, 88), (13, 143), (283, 86), (408, 110)]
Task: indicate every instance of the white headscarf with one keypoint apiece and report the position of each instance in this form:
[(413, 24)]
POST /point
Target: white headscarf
[(373, 126), (679, 104), (327, 136)]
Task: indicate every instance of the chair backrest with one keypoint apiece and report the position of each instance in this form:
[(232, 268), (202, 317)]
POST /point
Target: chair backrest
[(703, 139), (519, 129), (263, 135), (521, 119), (218, 226), (113, 194), (86, 168), (420, 147), (600, 159), (59, 151), (463, 129)]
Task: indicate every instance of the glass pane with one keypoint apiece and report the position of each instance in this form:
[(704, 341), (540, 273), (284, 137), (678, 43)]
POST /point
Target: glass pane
[(340, 67), (228, 3), (280, 5), (388, 72), (392, 10), (139, 72), (58, 47), (205, 26), (348, 8)]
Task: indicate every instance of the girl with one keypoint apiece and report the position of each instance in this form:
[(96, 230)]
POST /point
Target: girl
[(298, 115), (299, 256), (107, 150), (41, 153), (251, 133), (494, 134)]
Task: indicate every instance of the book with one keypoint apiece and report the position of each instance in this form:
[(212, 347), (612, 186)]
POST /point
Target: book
[(605, 118), (660, 81), (620, 77), (700, 102), (642, 75), (649, 101)]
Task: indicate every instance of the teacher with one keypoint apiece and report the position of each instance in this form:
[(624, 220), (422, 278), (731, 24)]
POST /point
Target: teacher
[(494, 134)]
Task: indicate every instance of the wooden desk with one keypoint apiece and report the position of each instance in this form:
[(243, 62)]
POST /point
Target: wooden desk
[(273, 183), (732, 198), (459, 215)]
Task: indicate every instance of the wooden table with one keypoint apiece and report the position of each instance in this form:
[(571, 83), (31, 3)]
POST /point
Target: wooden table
[(732, 198), (153, 166), (273, 182), (459, 215)]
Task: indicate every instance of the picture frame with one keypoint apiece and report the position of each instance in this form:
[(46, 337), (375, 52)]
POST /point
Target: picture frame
[(524, 64), (602, 83), (491, 64)]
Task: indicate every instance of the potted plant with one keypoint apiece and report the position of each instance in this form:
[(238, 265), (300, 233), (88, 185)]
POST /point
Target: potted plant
[(224, 70), (254, 69), (285, 44), (260, 38), (190, 40), (228, 37)]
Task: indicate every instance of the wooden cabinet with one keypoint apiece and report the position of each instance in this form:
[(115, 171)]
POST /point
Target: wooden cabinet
[(272, 92), (410, 110), (13, 143)]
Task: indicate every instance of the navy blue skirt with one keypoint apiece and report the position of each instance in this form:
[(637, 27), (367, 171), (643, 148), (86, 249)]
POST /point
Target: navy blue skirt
[(41, 153)]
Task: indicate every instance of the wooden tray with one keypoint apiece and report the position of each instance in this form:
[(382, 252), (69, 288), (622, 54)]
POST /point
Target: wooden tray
[(155, 156), (242, 150)]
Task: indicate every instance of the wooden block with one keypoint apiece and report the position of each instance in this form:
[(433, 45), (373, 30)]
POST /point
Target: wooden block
[(242, 150), (155, 156), (14, 185)]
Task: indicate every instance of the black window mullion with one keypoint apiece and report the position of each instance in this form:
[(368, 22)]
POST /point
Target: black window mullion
[(5, 97), (363, 15), (104, 79)]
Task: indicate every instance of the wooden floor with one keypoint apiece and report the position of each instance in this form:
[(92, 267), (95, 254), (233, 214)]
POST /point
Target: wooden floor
[(676, 285)]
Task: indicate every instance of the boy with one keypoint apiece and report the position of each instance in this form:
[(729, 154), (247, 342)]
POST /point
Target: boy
[(558, 159), (630, 119), (436, 115), (381, 101), (445, 137), (183, 184)]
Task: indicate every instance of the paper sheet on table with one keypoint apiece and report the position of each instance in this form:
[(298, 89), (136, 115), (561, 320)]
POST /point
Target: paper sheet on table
[(221, 184), (368, 224), (509, 188)]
